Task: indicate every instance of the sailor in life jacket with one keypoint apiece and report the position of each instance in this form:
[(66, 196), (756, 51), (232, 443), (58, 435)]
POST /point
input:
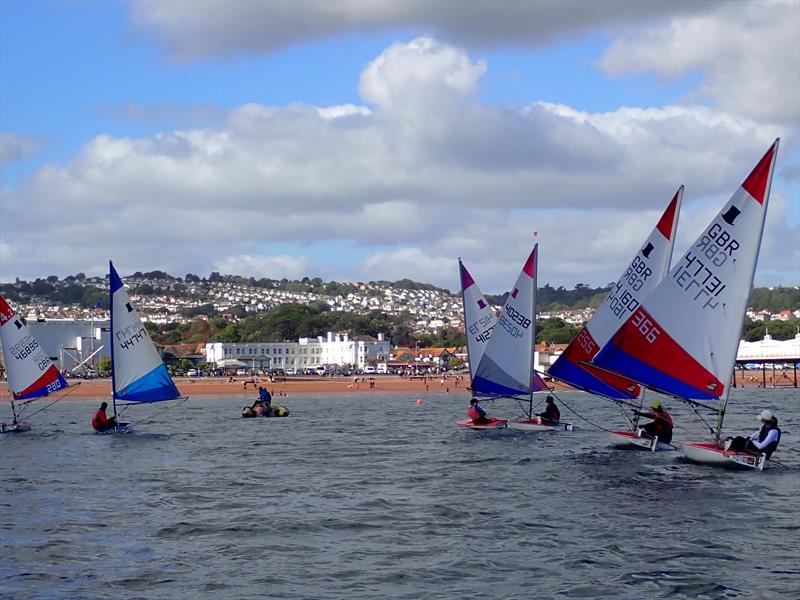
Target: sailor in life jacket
[(100, 421), (551, 413), (661, 426), (476, 413), (764, 441)]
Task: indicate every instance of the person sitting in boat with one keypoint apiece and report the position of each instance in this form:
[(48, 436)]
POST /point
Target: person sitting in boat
[(551, 414), (100, 421), (661, 426), (266, 400), (476, 413), (763, 441)]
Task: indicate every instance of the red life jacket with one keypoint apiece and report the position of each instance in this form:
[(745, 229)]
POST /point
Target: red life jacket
[(662, 420), (100, 420), (473, 413)]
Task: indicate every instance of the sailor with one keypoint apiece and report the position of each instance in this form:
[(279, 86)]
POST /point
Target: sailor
[(476, 413), (100, 421), (661, 426), (551, 413), (764, 441), (266, 400)]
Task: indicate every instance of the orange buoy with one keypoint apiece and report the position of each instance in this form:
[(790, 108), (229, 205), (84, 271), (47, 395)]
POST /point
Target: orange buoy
[(419, 401)]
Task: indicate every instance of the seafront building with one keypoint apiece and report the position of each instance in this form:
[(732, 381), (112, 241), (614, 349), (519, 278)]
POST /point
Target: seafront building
[(306, 353)]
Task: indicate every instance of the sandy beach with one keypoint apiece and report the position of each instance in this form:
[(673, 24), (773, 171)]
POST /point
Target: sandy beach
[(221, 386)]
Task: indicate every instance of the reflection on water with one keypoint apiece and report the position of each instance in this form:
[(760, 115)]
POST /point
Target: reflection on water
[(378, 497)]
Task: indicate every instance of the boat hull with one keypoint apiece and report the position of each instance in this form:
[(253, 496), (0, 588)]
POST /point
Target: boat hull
[(535, 426), (18, 427), (492, 424), (630, 440), (118, 428), (711, 454)]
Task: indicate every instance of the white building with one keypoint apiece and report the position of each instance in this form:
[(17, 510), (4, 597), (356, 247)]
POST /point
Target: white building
[(303, 354), (769, 349)]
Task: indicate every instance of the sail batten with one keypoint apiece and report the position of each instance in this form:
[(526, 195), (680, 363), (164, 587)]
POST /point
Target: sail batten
[(139, 373)]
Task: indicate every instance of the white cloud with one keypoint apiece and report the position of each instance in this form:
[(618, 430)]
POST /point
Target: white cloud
[(749, 53), (15, 148), (422, 182), (215, 28)]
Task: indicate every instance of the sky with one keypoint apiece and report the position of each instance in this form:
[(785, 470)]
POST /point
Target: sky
[(358, 141)]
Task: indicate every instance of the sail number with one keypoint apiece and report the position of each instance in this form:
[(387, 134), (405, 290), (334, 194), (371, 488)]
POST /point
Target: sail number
[(694, 274), (29, 347), (513, 320), (717, 245), (645, 326), (475, 329), (637, 274), (128, 337), (623, 303)]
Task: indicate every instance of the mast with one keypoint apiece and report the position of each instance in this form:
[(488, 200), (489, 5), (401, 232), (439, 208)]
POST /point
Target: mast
[(466, 330), (111, 327)]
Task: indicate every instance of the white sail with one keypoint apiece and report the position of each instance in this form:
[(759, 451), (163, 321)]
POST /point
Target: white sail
[(506, 367), (682, 339), (30, 371), (479, 319), (139, 375), (647, 269)]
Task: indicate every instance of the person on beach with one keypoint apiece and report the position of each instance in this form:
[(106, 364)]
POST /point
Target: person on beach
[(661, 425), (476, 413), (763, 441), (100, 421), (551, 413)]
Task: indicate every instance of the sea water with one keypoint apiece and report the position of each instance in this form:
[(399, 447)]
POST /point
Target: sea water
[(377, 496)]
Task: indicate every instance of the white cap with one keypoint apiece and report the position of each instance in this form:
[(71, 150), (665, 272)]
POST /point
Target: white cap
[(766, 415)]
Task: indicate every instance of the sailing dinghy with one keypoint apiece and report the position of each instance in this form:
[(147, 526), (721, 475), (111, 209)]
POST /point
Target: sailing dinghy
[(30, 371), (682, 339), (647, 269), (506, 368), (479, 322), (138, 373)]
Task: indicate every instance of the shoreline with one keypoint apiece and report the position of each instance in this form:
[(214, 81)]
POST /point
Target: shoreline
[(221, 386)]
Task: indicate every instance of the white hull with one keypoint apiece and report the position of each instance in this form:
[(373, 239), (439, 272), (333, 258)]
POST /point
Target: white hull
[(17, 427), (628, 439), (709, 454), (535, 426)]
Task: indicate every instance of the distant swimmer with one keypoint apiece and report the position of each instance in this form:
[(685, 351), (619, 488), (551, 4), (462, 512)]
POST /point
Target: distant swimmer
[(763, 441), (100, 421)]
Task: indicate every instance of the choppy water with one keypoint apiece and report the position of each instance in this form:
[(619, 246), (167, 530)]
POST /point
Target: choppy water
[(378, 497)]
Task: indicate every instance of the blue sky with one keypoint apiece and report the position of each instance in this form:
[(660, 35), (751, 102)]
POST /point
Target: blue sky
[(114, 114)]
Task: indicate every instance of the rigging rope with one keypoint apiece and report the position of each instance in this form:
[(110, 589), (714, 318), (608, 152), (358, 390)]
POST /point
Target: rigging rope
[(22, 414), (568, 407)]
